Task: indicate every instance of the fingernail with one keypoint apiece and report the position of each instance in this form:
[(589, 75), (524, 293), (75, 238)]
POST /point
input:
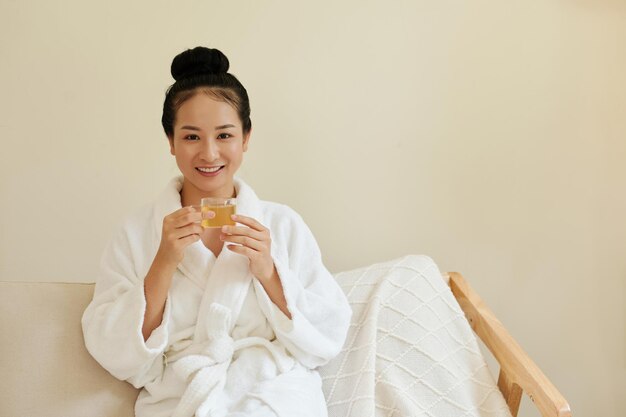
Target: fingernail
[(233, 216)]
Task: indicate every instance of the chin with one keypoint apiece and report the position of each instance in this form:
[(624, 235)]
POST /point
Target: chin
[(211, 184)]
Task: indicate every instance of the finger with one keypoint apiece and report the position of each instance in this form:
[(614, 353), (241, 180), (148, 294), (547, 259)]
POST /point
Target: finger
[(190, 229), (244, 231), (242, 250), (248, 221), (188, 218), (185, 210), (175, 215), (188, 240), (245, 241)]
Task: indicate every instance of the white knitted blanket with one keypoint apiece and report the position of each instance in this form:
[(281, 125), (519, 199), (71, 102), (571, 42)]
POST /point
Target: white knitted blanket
[(410, 351)]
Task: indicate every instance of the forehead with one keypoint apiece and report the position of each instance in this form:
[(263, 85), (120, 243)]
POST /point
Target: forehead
[(206, 112)]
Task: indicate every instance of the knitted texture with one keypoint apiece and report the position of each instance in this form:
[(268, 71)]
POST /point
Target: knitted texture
[(410, 351)]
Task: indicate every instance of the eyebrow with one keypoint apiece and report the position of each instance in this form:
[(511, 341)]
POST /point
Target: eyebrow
[(216, 127)]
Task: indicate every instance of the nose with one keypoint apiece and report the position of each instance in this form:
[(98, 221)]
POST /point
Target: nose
[(209, 150)]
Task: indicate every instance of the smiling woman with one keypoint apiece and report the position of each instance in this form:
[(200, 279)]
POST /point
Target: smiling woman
[(207, 332)]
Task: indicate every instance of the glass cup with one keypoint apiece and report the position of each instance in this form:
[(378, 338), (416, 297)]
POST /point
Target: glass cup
[(223, 209)]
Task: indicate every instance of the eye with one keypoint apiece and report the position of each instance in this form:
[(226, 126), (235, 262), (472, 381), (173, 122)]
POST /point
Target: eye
[(224, 135), (192, 137)]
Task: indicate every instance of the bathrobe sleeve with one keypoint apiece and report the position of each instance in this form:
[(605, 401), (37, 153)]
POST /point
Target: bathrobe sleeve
[(320, 313), (113, 320)]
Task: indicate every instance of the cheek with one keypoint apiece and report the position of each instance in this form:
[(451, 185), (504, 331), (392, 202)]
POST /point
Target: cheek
[(234, 150), (183, 155)]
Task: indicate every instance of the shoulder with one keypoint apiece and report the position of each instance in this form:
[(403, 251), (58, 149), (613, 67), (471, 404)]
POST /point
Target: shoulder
[(288, 228), (137, 219), (134, 228), (291, 236), (281, 218), (132, 243)]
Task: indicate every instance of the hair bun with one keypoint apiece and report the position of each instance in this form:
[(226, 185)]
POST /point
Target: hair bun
[(199, 60)]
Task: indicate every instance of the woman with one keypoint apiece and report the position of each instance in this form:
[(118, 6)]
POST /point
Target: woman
[(204, 329)]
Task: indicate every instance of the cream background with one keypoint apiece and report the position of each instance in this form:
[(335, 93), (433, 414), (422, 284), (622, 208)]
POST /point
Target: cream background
[(489, 135)]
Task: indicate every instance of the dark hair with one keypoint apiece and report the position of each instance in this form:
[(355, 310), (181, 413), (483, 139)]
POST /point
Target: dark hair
[(203, 70)]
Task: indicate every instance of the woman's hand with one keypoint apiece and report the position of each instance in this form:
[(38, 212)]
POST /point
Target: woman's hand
[(180, 229), (255, 242), (256, 245)]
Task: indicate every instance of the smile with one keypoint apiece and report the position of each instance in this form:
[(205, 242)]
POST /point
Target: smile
[(209, 172)]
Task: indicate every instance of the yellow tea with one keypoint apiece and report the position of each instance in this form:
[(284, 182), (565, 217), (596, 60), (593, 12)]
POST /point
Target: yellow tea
[(222, 216)]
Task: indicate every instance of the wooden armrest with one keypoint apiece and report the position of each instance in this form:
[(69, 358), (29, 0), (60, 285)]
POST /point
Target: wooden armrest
[(517, 371)]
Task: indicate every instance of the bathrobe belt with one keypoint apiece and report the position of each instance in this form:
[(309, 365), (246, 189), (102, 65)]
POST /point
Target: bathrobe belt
[(203, 366)]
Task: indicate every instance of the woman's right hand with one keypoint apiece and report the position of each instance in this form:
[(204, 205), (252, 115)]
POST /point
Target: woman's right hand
[(180, 229)]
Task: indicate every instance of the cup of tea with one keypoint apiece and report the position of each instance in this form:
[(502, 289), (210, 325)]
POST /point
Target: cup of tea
[(223, 209)]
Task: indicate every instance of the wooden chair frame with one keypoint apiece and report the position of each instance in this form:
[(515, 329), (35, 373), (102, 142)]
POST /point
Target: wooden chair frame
[(518, 373)]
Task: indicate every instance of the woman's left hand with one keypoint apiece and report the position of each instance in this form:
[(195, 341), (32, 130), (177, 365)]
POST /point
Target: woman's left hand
[(255, 242)]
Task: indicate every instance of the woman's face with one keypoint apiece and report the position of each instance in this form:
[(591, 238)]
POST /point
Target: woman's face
[(207, 135)]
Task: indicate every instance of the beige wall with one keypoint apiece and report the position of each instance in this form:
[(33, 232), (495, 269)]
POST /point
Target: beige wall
[(488, 135)]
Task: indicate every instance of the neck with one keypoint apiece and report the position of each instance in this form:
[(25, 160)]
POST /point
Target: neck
[(191, 195)]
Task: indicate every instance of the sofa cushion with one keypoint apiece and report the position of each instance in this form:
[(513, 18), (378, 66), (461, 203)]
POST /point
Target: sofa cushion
[(46, 369)]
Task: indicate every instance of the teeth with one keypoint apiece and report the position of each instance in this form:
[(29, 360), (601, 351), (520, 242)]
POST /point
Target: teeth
[(208, 169)]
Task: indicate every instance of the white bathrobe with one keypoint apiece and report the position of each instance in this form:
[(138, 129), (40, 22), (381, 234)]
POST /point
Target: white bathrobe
[(223, 347)]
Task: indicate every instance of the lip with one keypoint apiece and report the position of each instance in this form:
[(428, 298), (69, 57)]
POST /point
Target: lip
[(209, 174)]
